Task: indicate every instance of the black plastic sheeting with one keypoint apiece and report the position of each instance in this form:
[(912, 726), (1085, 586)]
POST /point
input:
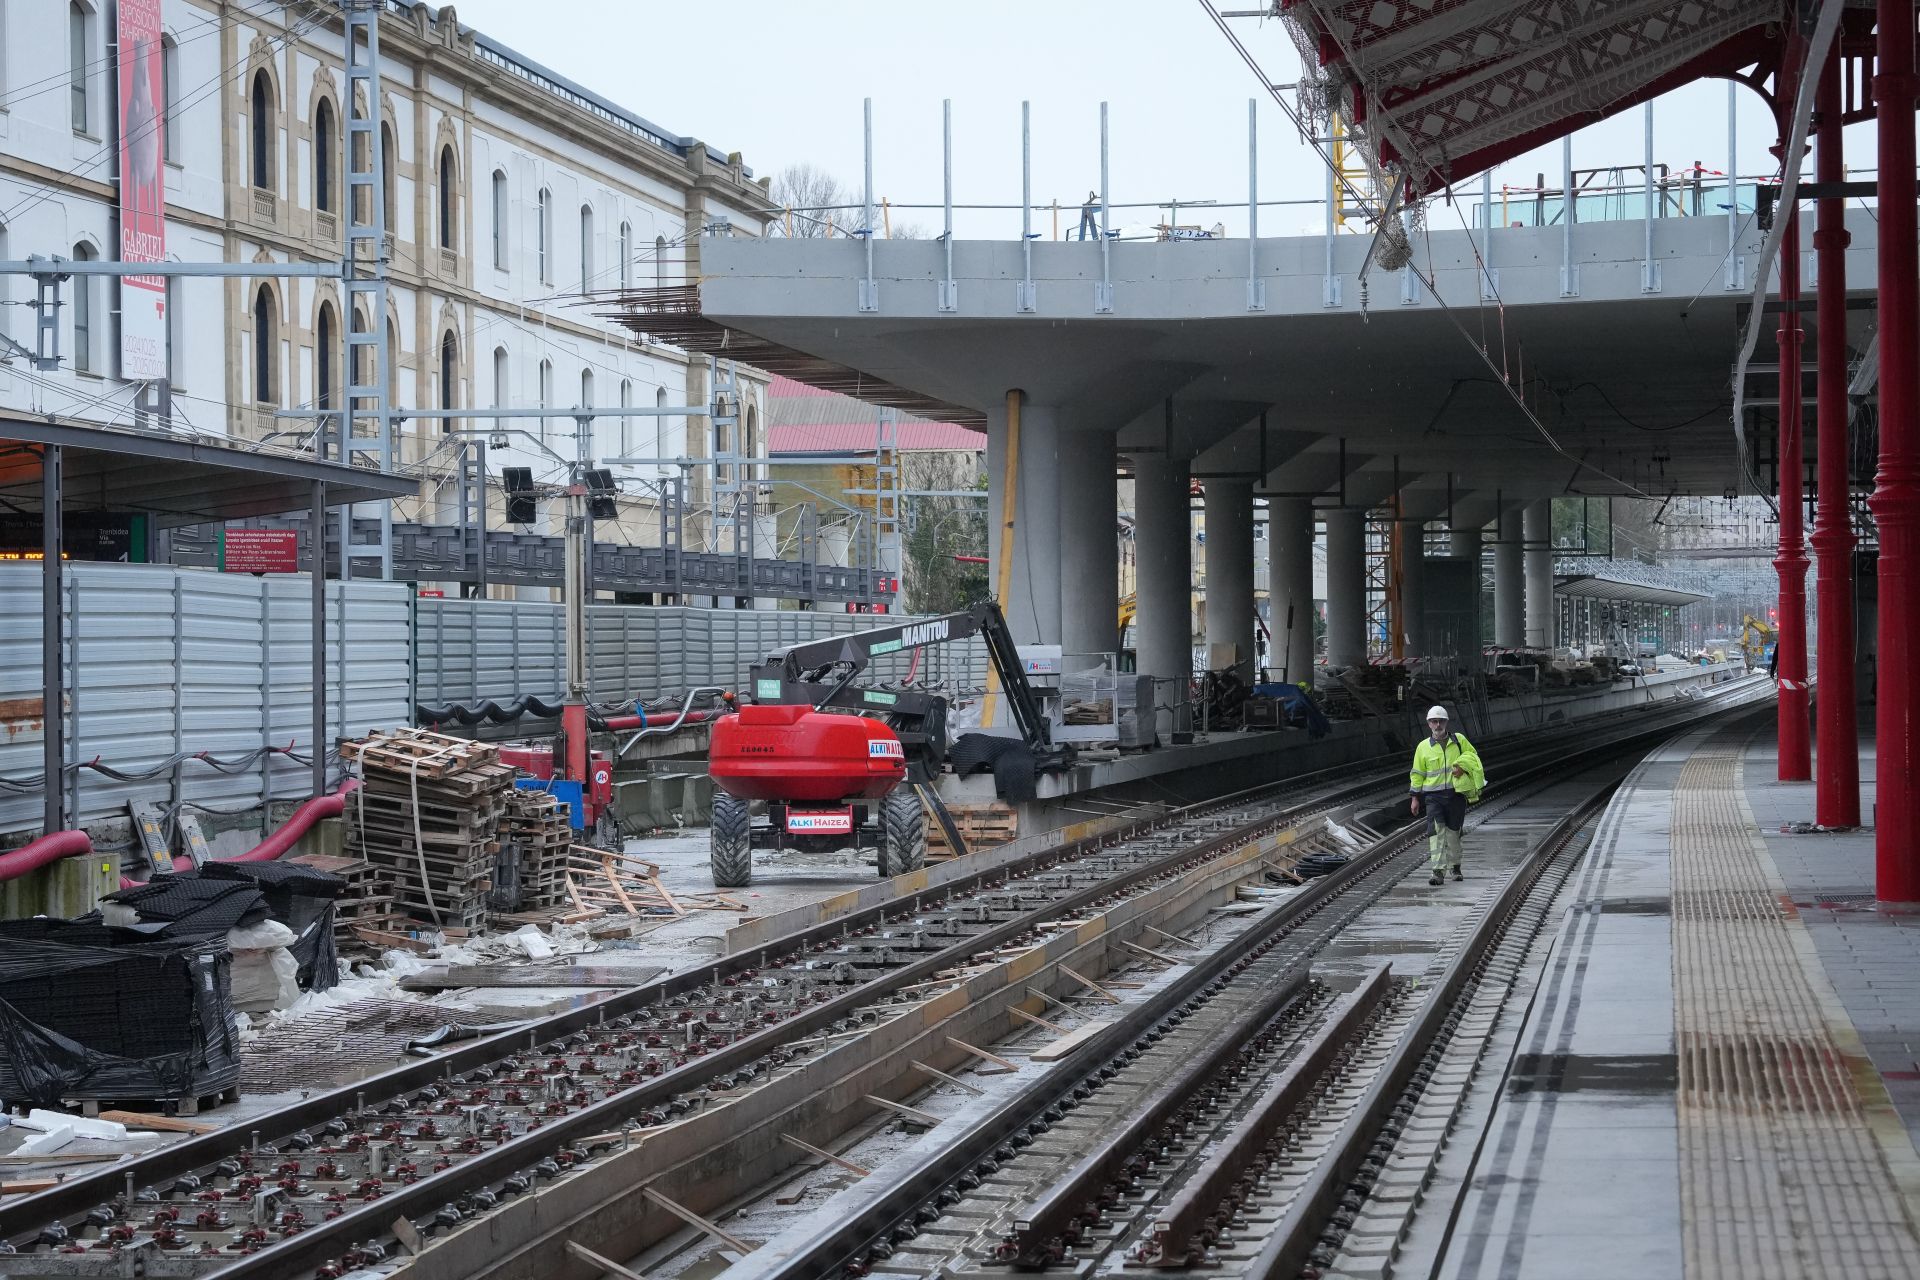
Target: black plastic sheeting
[(1009, 758), (302, 898), (193, 905), (86, 1014)]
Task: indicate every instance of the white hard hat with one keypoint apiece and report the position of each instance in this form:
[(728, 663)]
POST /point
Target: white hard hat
[(1436, 713)]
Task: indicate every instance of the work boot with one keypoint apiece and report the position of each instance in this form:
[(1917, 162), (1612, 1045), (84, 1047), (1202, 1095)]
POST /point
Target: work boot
[(1457, 877), (1436, 879)]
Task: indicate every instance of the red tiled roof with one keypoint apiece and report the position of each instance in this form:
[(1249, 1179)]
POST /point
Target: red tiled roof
[(859, 437), (785, 388)]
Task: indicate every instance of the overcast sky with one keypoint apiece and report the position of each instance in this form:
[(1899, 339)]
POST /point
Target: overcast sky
[(783, 84)]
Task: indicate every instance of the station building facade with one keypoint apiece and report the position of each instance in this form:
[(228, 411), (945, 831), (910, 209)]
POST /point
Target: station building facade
[(513, 198)]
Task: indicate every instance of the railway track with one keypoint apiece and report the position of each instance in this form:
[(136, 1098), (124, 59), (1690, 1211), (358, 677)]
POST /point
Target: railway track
[(351, 1178), (1237, 1122)]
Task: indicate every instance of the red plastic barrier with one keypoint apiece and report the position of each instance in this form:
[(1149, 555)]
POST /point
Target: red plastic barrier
[(39, 853)]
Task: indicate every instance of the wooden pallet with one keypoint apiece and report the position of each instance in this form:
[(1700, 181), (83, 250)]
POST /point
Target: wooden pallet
[(982, 826)]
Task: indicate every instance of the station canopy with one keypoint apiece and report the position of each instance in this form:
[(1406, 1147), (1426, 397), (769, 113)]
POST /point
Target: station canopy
[(1625, 582), (178, 478), (1443, 89)]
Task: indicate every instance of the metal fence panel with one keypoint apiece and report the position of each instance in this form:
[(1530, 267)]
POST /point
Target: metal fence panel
[(468, 650), (162, 660)]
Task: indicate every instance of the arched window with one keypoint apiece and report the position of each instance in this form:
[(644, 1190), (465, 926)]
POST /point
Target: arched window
[(659, 260), (449, 375), (325, 195), (260, 132), (500, 219), (586, 247), (586, 388), (626, 255), (546, 396), (543, 249), (323, 359), (265, 339), (447, 198), (626, 424), (84, 360), (499, 377), (659, 423), (79, 60), (170, 96), (389, 159)]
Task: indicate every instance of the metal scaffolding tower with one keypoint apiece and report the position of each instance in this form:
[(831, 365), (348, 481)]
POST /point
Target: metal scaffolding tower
[(366, 420)]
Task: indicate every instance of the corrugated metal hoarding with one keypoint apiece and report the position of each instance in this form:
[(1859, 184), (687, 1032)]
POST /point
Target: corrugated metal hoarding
[(468, 650), (164, 660)]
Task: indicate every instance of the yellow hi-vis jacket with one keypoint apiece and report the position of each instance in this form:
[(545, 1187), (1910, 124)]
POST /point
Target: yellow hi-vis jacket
[(1434, 763)]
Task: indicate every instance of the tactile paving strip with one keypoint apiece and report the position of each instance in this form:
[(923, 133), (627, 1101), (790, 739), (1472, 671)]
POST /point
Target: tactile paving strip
[(1781, 1174)]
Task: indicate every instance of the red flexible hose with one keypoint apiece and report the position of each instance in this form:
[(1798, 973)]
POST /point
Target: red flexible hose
[(298, 823), (42, 852)]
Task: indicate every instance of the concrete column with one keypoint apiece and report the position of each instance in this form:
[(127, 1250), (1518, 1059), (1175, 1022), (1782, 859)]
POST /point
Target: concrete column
[(1023, 537), (1509, 612), (1539, 560), (1090, 575), (1346, 588), (1163, 541), (1230, 569), (1290, 586), (1413, 563)]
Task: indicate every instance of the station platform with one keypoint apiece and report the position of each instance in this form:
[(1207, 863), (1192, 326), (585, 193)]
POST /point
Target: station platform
[(1220, 762), (1717, 1073)]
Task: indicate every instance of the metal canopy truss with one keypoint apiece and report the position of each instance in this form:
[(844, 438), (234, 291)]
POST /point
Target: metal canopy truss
[(446, 553), (1442, 91)]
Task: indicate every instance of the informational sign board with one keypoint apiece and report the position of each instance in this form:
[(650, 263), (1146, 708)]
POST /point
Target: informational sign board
[(260, 550), (143, 191), (114, 536)]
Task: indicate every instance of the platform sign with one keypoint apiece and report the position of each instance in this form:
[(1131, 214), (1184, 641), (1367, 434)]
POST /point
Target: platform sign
[(260, 551), (143, 191)]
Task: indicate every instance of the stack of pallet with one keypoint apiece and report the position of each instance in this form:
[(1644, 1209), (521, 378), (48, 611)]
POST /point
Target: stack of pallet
[(367, 902), (427, 817), (536, 826), (982, 826)]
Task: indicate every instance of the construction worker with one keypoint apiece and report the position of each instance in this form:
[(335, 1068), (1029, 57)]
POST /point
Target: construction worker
[(1089, 224), (1446, 778)]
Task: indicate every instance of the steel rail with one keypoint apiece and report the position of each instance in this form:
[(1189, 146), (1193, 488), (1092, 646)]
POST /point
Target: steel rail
[(77, 1195), (321, 1242), (844, 1242), (1072, 1204), (1174, 1230), (1288, 1249)]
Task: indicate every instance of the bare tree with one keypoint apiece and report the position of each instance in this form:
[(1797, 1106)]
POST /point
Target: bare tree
[(908, 231), (816, 200)]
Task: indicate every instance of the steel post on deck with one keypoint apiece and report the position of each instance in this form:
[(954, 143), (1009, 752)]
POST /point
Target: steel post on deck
[(53, 708), (317, 529), (1790, 561), (1896, 495), (1837, 783)]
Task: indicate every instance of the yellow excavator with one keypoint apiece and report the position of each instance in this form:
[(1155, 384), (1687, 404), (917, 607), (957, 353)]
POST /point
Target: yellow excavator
[(1755, 636)]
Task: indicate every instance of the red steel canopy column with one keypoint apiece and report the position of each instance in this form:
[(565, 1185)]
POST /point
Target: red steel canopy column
[(1837, 786), (1796, 763), (1896, 495)]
